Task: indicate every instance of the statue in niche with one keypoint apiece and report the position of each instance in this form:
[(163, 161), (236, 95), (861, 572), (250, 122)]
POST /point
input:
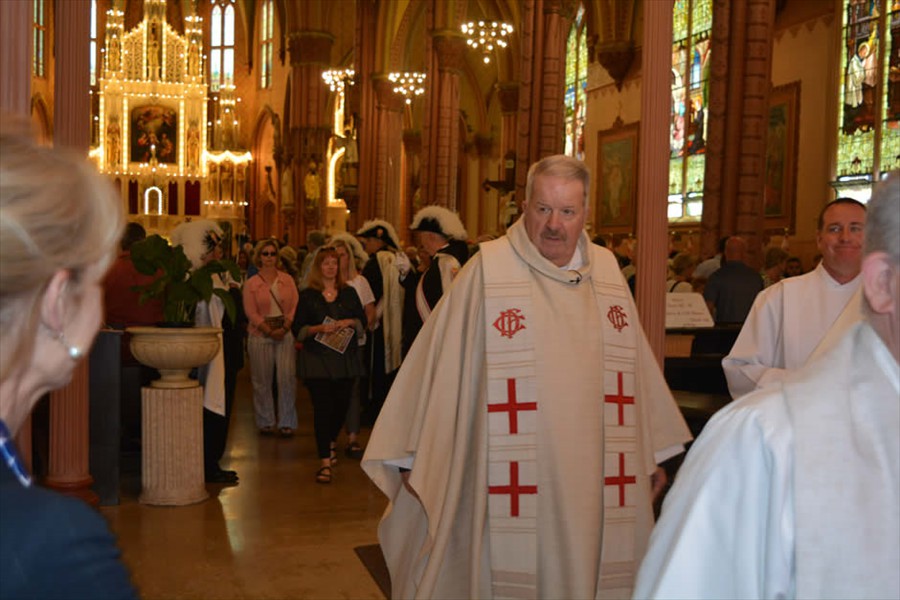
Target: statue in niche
[(239, 183), (113, 142), (153, 52), (312, 187), (112, 54), (287, 185), (193, 146), (227, 182), (212, 182), (193, 60)]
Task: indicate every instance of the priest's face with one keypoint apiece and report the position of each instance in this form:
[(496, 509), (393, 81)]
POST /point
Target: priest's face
[(554, 217), (841, 239)]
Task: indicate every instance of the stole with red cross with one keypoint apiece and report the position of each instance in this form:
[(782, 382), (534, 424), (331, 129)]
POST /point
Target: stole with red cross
[(512, 407)]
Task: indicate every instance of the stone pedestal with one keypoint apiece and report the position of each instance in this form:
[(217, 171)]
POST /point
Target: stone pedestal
[(172, 462)]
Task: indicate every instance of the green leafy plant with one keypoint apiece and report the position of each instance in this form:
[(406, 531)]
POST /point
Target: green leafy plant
[(177, 286)]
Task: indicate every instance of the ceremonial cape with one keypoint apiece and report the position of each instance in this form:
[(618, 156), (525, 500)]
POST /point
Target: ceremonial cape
[(438, 546), (792, 491)]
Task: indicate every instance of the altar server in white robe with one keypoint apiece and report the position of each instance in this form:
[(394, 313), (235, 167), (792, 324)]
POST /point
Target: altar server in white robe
[(793, 491), (791, 318), (532, 415)]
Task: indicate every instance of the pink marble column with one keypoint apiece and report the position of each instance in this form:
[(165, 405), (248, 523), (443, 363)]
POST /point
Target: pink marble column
[(388, 146), (15, 57), (442, 145), (15, 98), (310, 129), (653, 153), (545, 28), (69, 439), (69, 406)]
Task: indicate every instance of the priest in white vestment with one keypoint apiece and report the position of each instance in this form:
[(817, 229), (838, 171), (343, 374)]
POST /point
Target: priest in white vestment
[(791, 318), (531, 415), (794, 491)]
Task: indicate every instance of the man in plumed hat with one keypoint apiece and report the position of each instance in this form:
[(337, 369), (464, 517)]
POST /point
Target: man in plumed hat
[(382, 245), (441, 234)]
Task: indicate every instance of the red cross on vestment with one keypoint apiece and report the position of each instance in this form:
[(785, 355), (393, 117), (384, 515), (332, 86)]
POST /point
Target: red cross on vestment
[(620, 479), (513, 489), (511, 406), (621, 399)]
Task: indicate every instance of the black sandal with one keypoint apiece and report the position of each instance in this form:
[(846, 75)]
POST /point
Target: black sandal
[(323, 475), (353, 450)]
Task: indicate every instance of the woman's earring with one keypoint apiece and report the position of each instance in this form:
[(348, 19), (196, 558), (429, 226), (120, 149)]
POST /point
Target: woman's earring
[(74, 351)]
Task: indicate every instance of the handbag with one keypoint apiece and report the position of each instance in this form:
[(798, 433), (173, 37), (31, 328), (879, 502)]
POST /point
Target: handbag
[(274, 323)]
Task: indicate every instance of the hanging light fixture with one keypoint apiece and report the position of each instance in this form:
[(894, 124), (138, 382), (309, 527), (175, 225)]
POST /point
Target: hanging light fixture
[(337, 79), (486, 36), (409, 84)]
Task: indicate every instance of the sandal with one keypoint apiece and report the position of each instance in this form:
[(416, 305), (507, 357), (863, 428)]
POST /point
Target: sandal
[(286, 432), (333, 455), (268, 430), (323, 475), (353, 450)]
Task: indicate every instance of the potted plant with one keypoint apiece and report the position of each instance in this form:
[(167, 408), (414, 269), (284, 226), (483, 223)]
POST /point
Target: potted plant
[(176, 346)]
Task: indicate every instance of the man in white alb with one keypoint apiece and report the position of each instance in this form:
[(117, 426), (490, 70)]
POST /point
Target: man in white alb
[(532, 415), (793, 491), (789, 319)]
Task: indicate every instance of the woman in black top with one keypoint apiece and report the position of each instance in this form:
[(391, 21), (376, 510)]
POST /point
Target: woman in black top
[(328, 320)]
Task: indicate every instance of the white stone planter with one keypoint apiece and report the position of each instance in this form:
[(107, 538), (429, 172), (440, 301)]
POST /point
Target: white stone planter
[(174, 352)]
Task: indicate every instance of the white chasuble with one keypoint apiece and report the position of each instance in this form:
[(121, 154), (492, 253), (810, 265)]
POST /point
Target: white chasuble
[(529, 409)]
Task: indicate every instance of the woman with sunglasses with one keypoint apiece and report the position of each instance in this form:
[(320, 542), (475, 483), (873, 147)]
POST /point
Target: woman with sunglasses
[(329, 321), (270, 302)]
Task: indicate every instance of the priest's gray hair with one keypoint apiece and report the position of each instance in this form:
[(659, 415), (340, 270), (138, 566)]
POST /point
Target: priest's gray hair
[(57, 213), (883, 219), (562, 166)]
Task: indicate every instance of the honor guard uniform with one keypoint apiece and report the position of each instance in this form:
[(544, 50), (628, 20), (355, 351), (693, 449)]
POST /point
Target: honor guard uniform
[(442, 235)]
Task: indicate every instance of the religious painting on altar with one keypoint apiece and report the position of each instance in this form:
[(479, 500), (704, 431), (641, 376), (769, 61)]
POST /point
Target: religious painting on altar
[(782, 143), (617, 179), (154, 132)]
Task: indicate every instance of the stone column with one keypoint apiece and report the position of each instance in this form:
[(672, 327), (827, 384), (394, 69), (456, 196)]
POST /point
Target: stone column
[(442, 144), (740, 74), (69, 439), (15, 57), (653, 161), (69, 406), (388, 146), (545, 28), (172, 439), (310, 54)]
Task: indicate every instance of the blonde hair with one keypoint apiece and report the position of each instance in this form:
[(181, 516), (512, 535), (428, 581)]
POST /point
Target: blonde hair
[(56, 213), (315, 272), (352, 269), (263, 244)]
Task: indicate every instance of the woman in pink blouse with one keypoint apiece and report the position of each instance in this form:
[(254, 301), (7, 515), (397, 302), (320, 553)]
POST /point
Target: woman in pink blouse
[(270, 300)]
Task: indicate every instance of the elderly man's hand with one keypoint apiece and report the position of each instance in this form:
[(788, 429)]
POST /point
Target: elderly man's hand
[(658, 482)]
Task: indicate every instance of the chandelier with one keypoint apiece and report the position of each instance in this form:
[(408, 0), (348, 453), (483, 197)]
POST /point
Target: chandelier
[(336, 79), (409, 84), (486, 36)]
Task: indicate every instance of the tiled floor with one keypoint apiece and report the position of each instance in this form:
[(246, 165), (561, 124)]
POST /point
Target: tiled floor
[(276, 535)]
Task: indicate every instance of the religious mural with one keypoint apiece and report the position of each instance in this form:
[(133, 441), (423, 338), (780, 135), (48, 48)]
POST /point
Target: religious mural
[(154, 132)]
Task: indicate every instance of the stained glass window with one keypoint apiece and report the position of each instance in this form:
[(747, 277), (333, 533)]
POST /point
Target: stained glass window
[(40, 34), (221, 44), (266, 28), (869, 113), (691, 27), (576, 86)]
